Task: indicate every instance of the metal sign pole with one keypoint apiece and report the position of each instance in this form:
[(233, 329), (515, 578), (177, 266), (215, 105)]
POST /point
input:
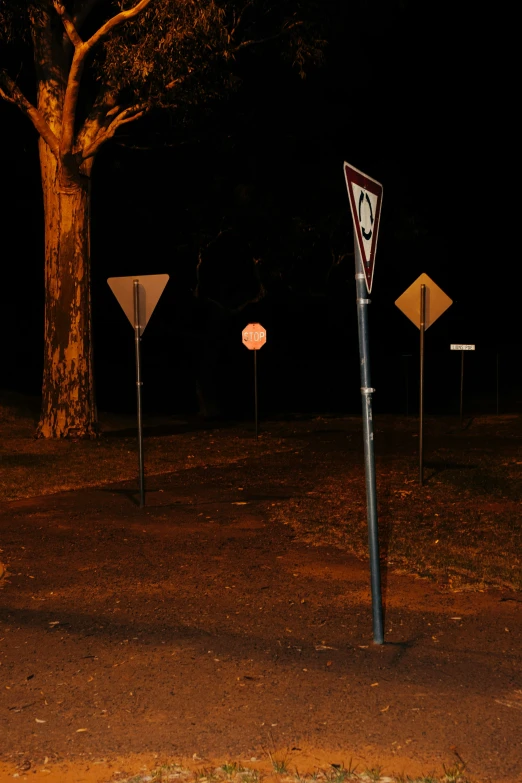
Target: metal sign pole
[(369, 453), (137, 341), (255, 393), (461, 389), (421, 383), (253, 338)]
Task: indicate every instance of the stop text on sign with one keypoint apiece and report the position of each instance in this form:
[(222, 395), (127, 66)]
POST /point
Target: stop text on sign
[(254, 337)]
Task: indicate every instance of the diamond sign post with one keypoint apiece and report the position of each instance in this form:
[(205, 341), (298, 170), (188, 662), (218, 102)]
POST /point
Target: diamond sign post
[(138, 296), (254, 337), (423, 302), (365, 197)]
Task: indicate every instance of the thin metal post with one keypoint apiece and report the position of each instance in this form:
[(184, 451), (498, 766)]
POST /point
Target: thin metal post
[(421, 382), (137, 343), (369, 453), (462, 389), (255, 393)]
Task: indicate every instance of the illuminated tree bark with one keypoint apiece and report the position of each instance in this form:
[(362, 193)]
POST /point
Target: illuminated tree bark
[(66, 159), (68, 407), (144, 54)]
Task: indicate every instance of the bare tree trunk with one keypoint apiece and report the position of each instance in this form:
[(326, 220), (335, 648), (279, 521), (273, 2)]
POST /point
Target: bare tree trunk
[(68, 406)]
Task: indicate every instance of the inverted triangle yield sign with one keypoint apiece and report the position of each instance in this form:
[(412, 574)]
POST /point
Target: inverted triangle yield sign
[(150, 288), (365, 196)]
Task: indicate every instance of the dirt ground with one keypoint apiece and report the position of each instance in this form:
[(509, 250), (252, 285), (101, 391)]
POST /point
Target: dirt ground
[(216, 625)]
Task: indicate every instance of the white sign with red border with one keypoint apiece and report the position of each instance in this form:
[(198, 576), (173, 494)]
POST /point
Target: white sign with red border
[(365, 197)]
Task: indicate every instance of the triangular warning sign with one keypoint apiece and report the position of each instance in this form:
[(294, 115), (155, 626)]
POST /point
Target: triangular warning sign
[(150, 288), (365, 196)]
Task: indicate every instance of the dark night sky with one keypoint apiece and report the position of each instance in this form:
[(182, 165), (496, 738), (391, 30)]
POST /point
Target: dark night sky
[(402, 96)]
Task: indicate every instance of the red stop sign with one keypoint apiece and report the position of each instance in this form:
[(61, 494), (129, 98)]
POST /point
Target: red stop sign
[(254, 336)]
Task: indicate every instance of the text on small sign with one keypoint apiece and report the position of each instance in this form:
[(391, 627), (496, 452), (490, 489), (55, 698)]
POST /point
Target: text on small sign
[(254, 336)]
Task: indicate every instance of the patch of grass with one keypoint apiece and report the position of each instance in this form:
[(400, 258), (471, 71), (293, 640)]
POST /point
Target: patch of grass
[(232, 768), (236, 771), (165, 774), (336, 774), (340, 773), (229, 768), (422, 779), (250, 775), (279, 764), (374, 774), (30, 467), (462, 527), (454, 774), (209, 775)]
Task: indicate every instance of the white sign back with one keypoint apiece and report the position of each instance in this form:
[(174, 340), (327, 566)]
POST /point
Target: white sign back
[(150, 288)]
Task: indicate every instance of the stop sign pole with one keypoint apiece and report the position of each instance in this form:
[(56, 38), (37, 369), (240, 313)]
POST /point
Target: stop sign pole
[(254, 337), (365, 196)]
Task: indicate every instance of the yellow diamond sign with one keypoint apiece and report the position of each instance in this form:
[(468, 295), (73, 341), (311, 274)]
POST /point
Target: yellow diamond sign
[(437, 302)]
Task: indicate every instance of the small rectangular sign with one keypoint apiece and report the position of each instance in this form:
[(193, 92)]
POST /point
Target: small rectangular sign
[(462, 347)]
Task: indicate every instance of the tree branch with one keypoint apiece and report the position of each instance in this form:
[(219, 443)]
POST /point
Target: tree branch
[(71, 99), (68, 23), (78, 20), (116, 20), (237, 18), (261, 291), (130, 114), (10, 92), (174, 82), (75, 74), (104, 107)]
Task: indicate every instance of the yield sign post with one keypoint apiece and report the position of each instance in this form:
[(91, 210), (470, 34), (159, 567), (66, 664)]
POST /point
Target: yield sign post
[(254, 337), (138, 295), (365, 196), (423, 302)]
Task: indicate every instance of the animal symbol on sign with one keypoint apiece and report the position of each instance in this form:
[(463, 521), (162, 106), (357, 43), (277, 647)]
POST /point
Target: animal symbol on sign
[(364, 196)]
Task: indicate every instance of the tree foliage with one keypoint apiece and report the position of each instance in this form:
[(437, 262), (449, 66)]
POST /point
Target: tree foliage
[(110, 62)]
